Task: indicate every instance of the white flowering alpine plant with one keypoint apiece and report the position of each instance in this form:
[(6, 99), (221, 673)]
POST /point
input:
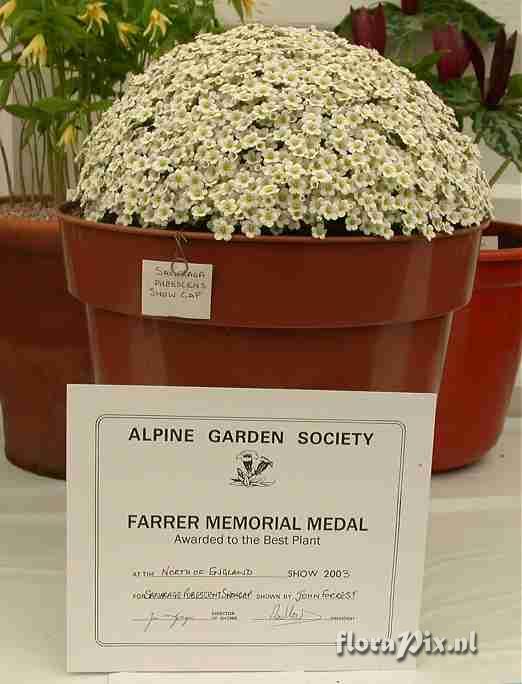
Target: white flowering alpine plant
[(270, 129)]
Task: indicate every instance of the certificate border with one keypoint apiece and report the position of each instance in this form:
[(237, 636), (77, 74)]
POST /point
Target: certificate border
[(397, 507)]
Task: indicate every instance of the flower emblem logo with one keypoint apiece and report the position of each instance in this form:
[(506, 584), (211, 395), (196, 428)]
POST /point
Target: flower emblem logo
[(251, 470)]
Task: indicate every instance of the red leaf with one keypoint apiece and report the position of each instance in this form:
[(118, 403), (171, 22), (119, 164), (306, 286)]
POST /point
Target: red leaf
[(456, 57), (369, 28), (379, 19)]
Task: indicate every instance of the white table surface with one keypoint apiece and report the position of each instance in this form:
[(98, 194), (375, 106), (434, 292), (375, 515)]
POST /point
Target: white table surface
[(473, 576)]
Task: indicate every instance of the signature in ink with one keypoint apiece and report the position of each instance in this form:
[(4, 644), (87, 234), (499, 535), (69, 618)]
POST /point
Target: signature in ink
[(171, 620), (289, 614)]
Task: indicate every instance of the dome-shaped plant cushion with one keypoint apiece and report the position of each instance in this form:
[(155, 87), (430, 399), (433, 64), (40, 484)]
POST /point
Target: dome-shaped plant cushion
[(271, 129)]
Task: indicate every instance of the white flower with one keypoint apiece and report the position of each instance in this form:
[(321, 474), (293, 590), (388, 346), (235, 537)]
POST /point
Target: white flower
[(228, 207), (321, 176), (284, 128), (268, 190), (224, 232), (250, 229)]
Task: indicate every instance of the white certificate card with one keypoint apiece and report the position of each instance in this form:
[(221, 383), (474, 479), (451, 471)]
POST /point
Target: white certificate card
[(243, 529)]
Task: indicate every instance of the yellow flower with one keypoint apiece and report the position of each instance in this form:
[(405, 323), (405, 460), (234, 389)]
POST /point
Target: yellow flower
[(157, 20), (68, 136), (6, 10), (245, 8), (35, 52), (94, 13), (124, 31), (248, 7)]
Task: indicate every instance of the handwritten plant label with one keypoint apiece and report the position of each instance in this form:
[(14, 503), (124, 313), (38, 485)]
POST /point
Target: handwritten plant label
[(242, 529), (176, 288), (489, 242)]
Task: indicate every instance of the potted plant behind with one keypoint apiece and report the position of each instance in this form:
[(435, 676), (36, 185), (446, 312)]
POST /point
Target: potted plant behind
[(62, 64), (479, 375), (330, 190), (485, 347)]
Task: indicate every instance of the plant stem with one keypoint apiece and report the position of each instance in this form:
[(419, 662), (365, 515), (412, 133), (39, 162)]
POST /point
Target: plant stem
[(36, 164), (33, 184), (32, 143), (478, 138), (27, 96), (7, 172), (40, 169), (21, 163), (66, 174), (75, 169), (500, 172), (50, 165)]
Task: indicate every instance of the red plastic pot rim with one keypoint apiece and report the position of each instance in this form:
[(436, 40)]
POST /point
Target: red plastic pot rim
[(30, 235), (331, 283), (65, 214), (505, 255)]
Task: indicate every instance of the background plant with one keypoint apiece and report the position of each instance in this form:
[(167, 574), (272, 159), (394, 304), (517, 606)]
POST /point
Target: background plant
[(490, 108), (63, 62)]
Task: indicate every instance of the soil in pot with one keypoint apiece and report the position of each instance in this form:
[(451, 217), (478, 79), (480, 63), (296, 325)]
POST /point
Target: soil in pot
[(43, 342)]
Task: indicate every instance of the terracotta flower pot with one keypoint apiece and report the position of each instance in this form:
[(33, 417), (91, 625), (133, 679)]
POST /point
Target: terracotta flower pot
[(43, 344), (483, 357), (287, 312)]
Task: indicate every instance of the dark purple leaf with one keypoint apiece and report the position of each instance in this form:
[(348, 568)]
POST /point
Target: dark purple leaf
[(410, 6), (501, 67), (477, 59)]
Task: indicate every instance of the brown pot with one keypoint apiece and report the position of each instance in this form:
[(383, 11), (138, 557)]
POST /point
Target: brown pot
[(43, 344), (483, 356), (287, 312)]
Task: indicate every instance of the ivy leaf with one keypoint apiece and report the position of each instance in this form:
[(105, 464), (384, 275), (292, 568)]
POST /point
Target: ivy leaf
[(501, 130), (465, 16)]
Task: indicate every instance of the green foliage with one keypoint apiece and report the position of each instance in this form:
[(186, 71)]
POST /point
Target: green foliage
[(500, 128), (405, 30), (463, 15), (462, 95), (514, 91), (55, 105), (501, 131), (424, 67), (238, 6), (84, 51)]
